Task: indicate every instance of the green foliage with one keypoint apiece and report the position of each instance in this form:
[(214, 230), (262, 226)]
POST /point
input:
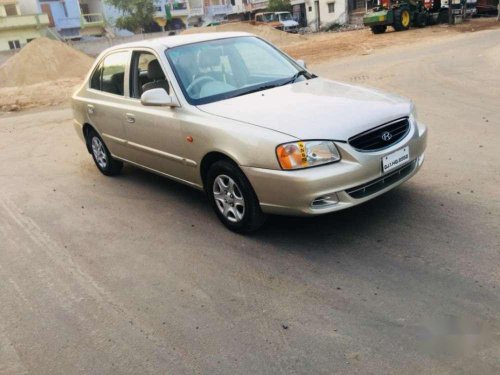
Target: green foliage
[(279, 6), (137, 15)]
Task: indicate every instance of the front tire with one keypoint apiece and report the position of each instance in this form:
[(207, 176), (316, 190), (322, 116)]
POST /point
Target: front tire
[(402, 19), (379, 29), (106, 164), (233, 198)]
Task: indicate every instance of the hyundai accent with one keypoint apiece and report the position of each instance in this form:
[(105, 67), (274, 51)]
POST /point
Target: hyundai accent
[(230, 114)]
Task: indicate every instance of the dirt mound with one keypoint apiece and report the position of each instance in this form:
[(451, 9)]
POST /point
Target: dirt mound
[(44, 60), (277, 37)]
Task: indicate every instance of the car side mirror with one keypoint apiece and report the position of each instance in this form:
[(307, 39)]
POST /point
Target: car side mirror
[(157, 97), (302, 64)]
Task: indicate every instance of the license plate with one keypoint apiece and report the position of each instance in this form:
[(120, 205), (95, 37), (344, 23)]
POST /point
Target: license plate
[(396, 159)]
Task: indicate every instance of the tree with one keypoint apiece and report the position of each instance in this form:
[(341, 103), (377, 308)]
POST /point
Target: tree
[(137, 15), (279, 6)]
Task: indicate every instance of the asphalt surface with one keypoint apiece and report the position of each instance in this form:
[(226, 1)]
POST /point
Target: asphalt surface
[(135, 275)]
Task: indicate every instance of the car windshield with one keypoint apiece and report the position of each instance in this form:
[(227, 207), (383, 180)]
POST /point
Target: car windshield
[(285, 16), (268, 17), (221, 69)]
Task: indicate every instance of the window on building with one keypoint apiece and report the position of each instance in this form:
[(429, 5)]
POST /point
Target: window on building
[(14, 44), (11, 10), (331, 7)]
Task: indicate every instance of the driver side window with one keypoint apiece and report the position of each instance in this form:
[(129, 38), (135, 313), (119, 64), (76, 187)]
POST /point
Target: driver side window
[(146, 73)]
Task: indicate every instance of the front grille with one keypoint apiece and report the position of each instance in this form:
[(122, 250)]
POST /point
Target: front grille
[(380, 183), (382, 136)]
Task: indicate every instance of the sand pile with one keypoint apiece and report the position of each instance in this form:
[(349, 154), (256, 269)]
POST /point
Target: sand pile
[(277, 37), (44, 60)]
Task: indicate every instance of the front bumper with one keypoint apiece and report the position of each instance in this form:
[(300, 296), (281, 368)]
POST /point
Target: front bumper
[(292, 192)]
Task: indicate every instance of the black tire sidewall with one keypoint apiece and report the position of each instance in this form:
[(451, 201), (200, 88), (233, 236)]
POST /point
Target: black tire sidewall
[(253, 217), (379, 29), (113, 167), (398, 19)]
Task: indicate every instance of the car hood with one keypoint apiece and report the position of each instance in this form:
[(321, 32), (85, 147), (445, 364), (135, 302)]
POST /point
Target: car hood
[(290, 23), (314, 109)]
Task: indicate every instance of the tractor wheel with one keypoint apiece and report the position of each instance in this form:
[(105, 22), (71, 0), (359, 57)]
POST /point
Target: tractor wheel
[(402, 19), (443, 16), (421, 19), (379, 29)]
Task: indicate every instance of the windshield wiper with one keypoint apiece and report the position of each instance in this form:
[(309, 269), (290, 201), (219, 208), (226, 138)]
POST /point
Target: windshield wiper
[(302, 72), (260, 88)]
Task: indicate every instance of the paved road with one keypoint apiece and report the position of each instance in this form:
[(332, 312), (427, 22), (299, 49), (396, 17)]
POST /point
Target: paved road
[(134, 275)]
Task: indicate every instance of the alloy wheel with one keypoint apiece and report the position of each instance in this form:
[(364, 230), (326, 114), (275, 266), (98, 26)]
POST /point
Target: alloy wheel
[(228, 198), (99, 152)]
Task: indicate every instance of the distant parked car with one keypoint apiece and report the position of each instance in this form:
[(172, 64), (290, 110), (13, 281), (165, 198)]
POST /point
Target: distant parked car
[(277, 20), (230, 114), (287, 22)]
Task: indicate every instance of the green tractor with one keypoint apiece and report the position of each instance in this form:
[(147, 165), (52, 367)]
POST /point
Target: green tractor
[(399, 14)]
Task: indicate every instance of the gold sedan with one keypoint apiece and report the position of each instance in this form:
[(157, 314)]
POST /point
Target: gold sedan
[(230, 114)]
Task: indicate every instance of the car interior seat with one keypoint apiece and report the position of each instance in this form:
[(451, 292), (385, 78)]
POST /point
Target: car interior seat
[(156, 77)]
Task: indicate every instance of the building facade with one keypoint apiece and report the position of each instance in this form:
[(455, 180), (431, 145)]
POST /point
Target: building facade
[(20, 23), (74, 18), (317, 14)]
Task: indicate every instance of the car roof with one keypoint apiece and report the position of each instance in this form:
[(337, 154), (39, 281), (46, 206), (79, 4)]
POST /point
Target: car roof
[(179, 40)]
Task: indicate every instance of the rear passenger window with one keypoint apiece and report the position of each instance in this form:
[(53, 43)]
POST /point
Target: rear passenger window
[(110, 75)]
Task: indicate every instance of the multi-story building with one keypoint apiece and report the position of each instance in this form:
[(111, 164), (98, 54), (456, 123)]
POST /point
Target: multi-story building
[(20, 22), (319, 13), (233, 10), (74, 18), (178, 14)]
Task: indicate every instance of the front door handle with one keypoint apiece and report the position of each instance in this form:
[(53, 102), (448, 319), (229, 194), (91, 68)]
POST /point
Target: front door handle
[(90, 109), (130, 118)]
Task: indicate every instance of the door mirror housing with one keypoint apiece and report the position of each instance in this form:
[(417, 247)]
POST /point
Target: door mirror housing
[(158, 97), (302, 64)]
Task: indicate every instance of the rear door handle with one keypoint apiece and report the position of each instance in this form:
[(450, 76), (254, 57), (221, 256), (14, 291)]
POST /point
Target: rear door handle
[(130, 118), (90, 109)]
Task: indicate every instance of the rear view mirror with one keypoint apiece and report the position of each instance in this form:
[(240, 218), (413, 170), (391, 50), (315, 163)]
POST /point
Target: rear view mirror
[(157, 97), (302, 64)]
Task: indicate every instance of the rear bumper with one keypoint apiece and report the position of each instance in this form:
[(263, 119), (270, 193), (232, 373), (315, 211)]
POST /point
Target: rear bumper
[(356, 179)]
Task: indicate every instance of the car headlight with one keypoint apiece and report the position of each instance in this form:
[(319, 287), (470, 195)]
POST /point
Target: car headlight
[(305, 154)]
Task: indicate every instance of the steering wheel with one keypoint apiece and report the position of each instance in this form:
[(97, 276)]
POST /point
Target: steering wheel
[(197, 81)]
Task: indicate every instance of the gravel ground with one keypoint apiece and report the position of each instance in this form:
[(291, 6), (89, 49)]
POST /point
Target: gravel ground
[(134, 275)]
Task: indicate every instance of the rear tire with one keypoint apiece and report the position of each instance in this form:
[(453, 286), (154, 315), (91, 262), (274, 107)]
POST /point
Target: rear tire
[(233, 198), (421, 19), (106, 164), (402, 19), (379, 29)]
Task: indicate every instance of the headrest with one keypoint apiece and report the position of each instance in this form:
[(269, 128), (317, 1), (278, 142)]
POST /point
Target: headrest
[(210, 57), (154, 70)]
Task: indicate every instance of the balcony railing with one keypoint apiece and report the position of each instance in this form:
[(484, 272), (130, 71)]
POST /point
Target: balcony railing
[(252, 5), (92, 20), (177, 9), (196, 11), (179, 6), (213, 10), (24, 21)]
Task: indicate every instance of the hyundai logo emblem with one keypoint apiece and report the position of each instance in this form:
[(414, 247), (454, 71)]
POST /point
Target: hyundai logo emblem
[(386, 136)]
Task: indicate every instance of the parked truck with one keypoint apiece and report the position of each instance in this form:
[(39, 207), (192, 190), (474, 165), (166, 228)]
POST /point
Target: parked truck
[(402, 14)]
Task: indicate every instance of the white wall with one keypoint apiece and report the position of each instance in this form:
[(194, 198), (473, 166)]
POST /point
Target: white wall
[(340, 15), (29, 6)]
